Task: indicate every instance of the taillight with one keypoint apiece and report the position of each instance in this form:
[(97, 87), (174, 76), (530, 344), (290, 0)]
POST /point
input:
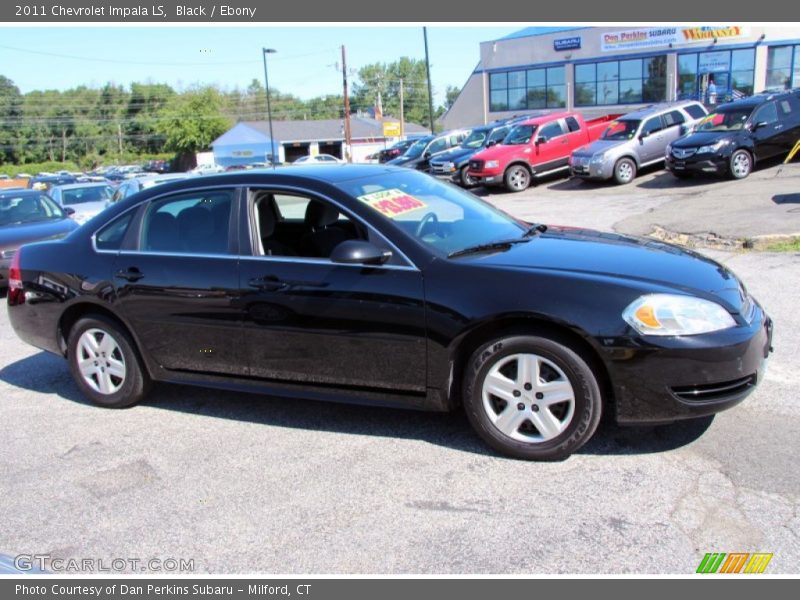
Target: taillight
[(15, 293)]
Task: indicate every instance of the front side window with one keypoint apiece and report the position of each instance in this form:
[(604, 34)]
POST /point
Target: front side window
[(195, 223), (475, 139), (623, 129), (442, 217), (111, 236), (519, 135), (731, 119), (652, 126), (28, 208), (766, 114)]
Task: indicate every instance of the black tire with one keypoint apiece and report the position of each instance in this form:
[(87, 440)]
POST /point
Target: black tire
[(740, 164), (466, 179), (517, 178), (624, 171), (132, 387), (586, 408)]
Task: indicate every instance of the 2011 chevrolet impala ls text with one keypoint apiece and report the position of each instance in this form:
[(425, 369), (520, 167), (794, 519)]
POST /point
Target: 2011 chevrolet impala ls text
[(374, 284)]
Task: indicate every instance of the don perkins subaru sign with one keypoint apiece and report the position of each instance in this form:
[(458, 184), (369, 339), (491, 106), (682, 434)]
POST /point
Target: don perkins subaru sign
[(570, 43)]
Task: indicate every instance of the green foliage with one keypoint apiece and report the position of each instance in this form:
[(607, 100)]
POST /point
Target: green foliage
[(34, 168), (191, 121), (386, 78)]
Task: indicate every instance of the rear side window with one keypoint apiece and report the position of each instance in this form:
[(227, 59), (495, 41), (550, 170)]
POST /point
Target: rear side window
[(110, 237), (572, 124), (195, 223), (498, 135), (695, 111), (785, 107), (672, 118)]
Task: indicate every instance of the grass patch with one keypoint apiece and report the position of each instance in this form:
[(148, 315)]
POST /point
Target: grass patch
[(792, 245)]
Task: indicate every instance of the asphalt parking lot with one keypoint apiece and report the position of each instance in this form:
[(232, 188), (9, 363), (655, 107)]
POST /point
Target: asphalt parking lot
[(245, 484)]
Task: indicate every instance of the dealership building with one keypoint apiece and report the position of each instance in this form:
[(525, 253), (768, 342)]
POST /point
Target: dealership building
[(603, 70)]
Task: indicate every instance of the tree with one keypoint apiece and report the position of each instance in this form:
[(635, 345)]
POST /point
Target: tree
[(191, 121), (385, 78), (10, 117), (451, 94)]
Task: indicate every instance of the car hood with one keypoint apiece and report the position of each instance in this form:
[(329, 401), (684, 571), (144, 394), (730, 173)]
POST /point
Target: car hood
[(403, 161), (14, 236), (501, 151), (599, 147), (702, 138), (649, 264), (456, 155), (89, 209)]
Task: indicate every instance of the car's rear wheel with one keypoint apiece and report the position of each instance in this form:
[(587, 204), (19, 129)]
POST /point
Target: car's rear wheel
[(741, 164), (532, 397), (104, 363), (466, 179), (517, 178), (624, 171)]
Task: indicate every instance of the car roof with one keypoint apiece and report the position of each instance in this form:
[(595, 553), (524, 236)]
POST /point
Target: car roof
[(655, 109), (538, 119), (77, 186), (17, 192)]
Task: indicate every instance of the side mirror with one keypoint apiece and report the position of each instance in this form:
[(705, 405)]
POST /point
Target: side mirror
[(644, 134), (491, 143), (69, 210), (542, 139), (759, 125), (359, 252), (427, 155)]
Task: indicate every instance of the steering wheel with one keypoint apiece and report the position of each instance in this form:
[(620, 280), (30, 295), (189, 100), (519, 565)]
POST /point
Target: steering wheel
[(431, 216)]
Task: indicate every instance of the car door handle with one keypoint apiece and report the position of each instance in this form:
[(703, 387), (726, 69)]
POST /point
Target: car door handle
[(268, 283), (131, 274)]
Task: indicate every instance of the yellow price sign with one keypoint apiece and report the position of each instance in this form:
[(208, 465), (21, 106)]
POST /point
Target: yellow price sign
[(391, 129)]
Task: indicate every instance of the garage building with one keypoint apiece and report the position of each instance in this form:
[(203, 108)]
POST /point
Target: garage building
[(249, 141), (603, 70)]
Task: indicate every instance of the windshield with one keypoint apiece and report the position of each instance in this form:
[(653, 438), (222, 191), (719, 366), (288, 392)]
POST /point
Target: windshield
[(84, 195), (441, 216), (417, 148), (624, 129), (726, 120), (475, 140), (28, 208), (521, 134)]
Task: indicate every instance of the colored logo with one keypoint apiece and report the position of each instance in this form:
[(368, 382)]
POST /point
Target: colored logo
[(735, 562)]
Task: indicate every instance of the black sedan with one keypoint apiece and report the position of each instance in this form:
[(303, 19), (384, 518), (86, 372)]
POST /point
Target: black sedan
[(28, 216), (733, 139), (382, 285)]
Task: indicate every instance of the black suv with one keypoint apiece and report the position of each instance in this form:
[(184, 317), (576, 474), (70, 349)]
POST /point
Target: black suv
[(732, 139), (421, 151), (454, 164)]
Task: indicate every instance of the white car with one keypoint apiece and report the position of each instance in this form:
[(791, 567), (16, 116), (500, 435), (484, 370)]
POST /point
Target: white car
[(86, 199), (318, 159)]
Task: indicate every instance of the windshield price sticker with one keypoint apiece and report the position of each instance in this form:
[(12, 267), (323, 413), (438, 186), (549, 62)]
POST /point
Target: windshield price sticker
[(392, 203)]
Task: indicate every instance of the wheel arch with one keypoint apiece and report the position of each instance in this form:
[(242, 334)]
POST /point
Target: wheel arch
[(629, 155), (568, 335), (77, 311)]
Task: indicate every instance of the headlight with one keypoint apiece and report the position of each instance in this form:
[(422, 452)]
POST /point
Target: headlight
[(667, 314), (597, 160), (448, 166), (711, 148), (492, 164)]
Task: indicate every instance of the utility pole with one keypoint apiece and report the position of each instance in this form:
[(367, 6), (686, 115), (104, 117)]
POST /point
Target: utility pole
[(119, 138), (347, 140), (63, 144), (428, 71), (402, 113)]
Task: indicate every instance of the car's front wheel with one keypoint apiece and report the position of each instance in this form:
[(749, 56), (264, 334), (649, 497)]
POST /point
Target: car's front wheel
[(517, 178), (741, 164), (532, 397), (104, 363), (624, 171), (467, 180)]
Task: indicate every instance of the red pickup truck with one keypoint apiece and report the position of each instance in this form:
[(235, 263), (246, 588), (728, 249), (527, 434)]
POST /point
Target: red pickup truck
[(535, 147)]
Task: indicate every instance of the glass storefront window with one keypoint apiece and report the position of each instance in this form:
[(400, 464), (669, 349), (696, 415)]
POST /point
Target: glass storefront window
[(621, 82), (731, 72), (527, 89), (780, 63)]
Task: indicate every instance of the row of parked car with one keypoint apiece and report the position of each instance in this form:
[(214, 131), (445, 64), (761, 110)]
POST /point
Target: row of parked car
[(682, 135)]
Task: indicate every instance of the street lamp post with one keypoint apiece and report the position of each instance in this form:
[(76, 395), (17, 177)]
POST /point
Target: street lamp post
[(264, 52)]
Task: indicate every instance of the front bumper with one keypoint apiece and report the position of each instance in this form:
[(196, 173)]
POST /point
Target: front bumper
[(5, 263), (674, 378), (697, 163), (585, 169), (487, 177), (446, 172)]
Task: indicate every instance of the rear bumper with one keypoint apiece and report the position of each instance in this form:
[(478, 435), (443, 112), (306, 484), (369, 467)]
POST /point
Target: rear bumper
[(676, 378)]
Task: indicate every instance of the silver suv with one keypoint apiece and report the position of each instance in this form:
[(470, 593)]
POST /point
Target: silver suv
[(635, 140)]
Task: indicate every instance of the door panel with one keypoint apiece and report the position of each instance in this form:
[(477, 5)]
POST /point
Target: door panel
[(321, 323)]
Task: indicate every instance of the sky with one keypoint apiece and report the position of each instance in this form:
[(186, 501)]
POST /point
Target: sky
[(36, 58)]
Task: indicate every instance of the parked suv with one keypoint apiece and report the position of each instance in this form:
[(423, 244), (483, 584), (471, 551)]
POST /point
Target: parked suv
[(733, 139), (420, 153), (454, 165), (635, 140)]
